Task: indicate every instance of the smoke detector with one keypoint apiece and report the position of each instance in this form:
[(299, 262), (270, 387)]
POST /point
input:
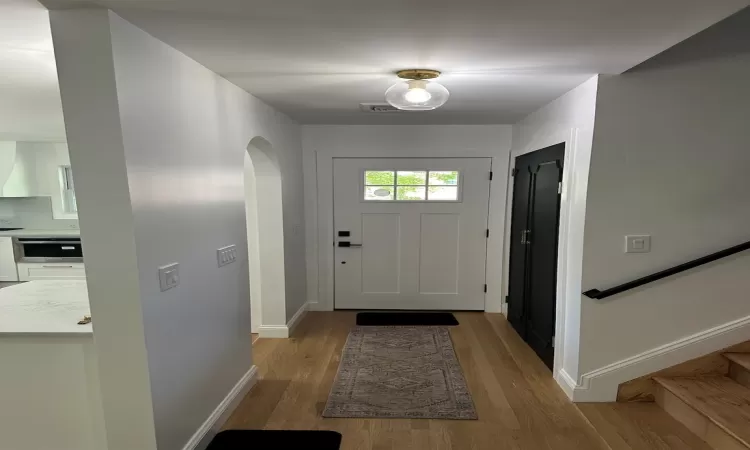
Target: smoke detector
[(378, 108)]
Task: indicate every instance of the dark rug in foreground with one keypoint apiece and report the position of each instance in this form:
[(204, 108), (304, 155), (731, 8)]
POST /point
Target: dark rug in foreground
[(275, 440), (400, 372), (406, 318)]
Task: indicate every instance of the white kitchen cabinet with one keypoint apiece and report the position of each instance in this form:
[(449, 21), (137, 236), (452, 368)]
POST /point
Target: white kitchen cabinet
[(8, 270), (51, 271)]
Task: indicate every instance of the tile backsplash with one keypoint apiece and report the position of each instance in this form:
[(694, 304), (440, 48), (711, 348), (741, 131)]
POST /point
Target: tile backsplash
[(32, 213)]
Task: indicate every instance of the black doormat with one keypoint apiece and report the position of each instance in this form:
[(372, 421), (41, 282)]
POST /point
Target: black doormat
[(276, 440), (405, 318)]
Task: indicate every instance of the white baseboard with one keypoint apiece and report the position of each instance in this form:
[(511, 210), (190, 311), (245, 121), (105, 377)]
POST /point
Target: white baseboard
[(214, 422), (566, 382), (283, 331), (316, 306), (273, 331), (297, 318), (600, 385)]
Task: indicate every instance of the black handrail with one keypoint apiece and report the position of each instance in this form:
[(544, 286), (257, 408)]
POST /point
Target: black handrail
[(597, 294)]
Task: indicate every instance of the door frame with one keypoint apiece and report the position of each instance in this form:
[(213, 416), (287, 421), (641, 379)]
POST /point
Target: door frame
[(319, 206), (510, 206), (569, 244), (485, 183)]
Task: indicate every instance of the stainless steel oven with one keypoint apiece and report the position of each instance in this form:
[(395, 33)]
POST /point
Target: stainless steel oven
[(49, 249)]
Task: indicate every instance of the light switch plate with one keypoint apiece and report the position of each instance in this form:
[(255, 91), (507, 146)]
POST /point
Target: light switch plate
[(226, 255), (169, 276), (638, 243)]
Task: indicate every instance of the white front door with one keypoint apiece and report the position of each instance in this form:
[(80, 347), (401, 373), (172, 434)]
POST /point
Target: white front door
[(416, 232)]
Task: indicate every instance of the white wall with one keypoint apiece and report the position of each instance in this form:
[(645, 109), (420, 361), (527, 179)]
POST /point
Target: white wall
[(321, 143), (30, 108), (265, 184), (285, 138), (568, 119), (31, 116), (49, 158), (670, 159), (253, 244), (82, 39), (161, 181)]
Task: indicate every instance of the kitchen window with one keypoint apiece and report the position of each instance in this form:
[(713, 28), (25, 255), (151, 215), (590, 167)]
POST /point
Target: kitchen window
[(67, 190)]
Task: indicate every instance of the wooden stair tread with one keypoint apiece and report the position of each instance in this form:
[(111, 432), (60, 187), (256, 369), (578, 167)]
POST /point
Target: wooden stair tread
[(742, 359), (639, 425), (719, 399)]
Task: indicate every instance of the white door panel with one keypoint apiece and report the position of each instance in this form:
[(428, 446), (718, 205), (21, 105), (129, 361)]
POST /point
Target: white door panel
[(380, 253), (438, 264), (414, 254)]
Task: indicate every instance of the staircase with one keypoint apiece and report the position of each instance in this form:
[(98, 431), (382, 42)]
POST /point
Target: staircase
[(716, 407)]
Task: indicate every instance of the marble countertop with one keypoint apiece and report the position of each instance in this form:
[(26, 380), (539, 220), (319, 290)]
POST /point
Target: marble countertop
[(48, 233), (45, 307)]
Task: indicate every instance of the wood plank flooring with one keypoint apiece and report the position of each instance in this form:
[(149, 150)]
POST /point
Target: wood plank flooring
[(519, 404)]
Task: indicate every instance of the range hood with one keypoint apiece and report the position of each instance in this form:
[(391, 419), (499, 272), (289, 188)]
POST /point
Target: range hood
[(17, 171)]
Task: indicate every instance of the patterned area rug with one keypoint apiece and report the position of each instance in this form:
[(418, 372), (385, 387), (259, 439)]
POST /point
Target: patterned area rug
[(400, 372)]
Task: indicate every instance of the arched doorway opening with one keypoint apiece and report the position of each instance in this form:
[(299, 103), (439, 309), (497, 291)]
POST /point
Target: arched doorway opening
[(265, 235)]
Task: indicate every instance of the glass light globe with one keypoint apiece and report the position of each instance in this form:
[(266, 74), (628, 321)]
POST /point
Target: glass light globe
[(417, 95)]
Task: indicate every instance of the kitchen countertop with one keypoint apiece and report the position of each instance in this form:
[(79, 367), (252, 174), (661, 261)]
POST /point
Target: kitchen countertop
[(45, 308), (46, 233)]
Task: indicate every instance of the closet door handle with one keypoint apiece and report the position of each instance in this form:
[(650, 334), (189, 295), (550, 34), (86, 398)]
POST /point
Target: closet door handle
[(528, 233), (523, 237)]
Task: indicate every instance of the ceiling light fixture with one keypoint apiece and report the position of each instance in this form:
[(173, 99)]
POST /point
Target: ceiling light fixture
[(417, 92)]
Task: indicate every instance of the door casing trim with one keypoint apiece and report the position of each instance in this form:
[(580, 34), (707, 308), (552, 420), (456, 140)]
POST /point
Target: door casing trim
[(571, 142), (509, 221), (325, 229)]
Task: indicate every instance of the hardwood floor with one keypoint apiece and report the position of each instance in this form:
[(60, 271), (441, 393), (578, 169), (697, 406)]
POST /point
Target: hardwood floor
[(519, 404)]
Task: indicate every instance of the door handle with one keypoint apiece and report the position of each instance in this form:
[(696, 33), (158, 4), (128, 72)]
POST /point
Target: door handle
[(348, 244), (523, 236), (528, 233)]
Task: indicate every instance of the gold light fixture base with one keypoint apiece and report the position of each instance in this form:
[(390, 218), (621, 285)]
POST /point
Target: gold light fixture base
[(418, 74)]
